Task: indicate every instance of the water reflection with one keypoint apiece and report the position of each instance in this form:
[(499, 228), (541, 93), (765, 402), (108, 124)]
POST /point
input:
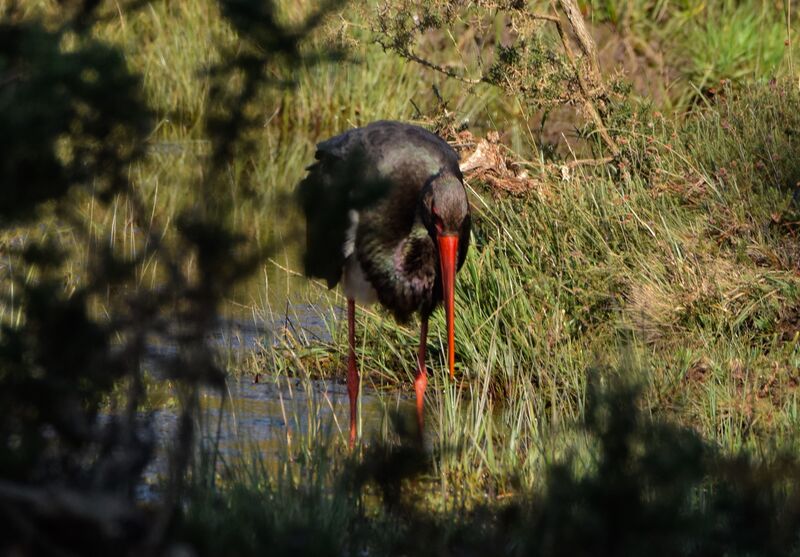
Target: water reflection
[(270, 420), (270, 416), (276, 416)]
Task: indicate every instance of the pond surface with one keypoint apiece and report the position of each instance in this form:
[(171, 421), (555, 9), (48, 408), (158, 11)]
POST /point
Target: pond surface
[(272, 417), (269, 421)]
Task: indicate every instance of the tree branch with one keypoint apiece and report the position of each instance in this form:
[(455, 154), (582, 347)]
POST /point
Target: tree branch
[(407, 54)]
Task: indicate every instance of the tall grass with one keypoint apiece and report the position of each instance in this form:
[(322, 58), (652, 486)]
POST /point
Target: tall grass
[(696, 45), (685, 269), (631, 481)]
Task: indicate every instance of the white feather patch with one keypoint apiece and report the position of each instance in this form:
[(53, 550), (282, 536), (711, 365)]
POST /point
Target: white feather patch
[(354, 282), (350, 235)]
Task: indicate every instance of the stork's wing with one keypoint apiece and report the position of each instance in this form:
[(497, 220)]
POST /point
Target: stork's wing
[(342, 179)]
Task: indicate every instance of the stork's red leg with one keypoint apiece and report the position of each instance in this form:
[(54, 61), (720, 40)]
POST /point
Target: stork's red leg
[(352, 370), (421, 381)]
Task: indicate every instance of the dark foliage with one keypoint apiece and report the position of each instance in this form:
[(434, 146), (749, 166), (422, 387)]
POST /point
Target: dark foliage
[(653, 489), (74, 119), (69, 118), (649, 488)]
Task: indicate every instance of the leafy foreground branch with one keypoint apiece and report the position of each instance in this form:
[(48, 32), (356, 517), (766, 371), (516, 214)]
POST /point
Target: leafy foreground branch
[(73, 439), (651, 488)]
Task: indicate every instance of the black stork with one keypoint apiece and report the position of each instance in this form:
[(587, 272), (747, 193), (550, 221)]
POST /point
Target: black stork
[(387, 214)]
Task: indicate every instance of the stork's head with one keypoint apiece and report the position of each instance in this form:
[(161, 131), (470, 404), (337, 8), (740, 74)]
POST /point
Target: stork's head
[(445, 213)]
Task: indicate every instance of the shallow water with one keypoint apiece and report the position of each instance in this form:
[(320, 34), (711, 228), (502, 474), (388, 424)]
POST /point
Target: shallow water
[(269, 416), (273, 417), (268, 421)]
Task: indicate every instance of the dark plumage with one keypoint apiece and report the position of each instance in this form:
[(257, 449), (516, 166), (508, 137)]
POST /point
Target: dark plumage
[(381, 203)]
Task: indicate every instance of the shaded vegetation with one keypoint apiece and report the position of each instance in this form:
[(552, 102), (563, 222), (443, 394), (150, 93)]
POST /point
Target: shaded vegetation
[(77, 122), (651, 488)]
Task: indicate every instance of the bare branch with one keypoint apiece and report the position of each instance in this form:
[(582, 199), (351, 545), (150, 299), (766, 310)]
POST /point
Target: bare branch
[(585, 41), (407, 54), (595, 89)]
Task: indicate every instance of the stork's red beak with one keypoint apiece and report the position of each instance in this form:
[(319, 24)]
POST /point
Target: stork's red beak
[(448, 249)]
